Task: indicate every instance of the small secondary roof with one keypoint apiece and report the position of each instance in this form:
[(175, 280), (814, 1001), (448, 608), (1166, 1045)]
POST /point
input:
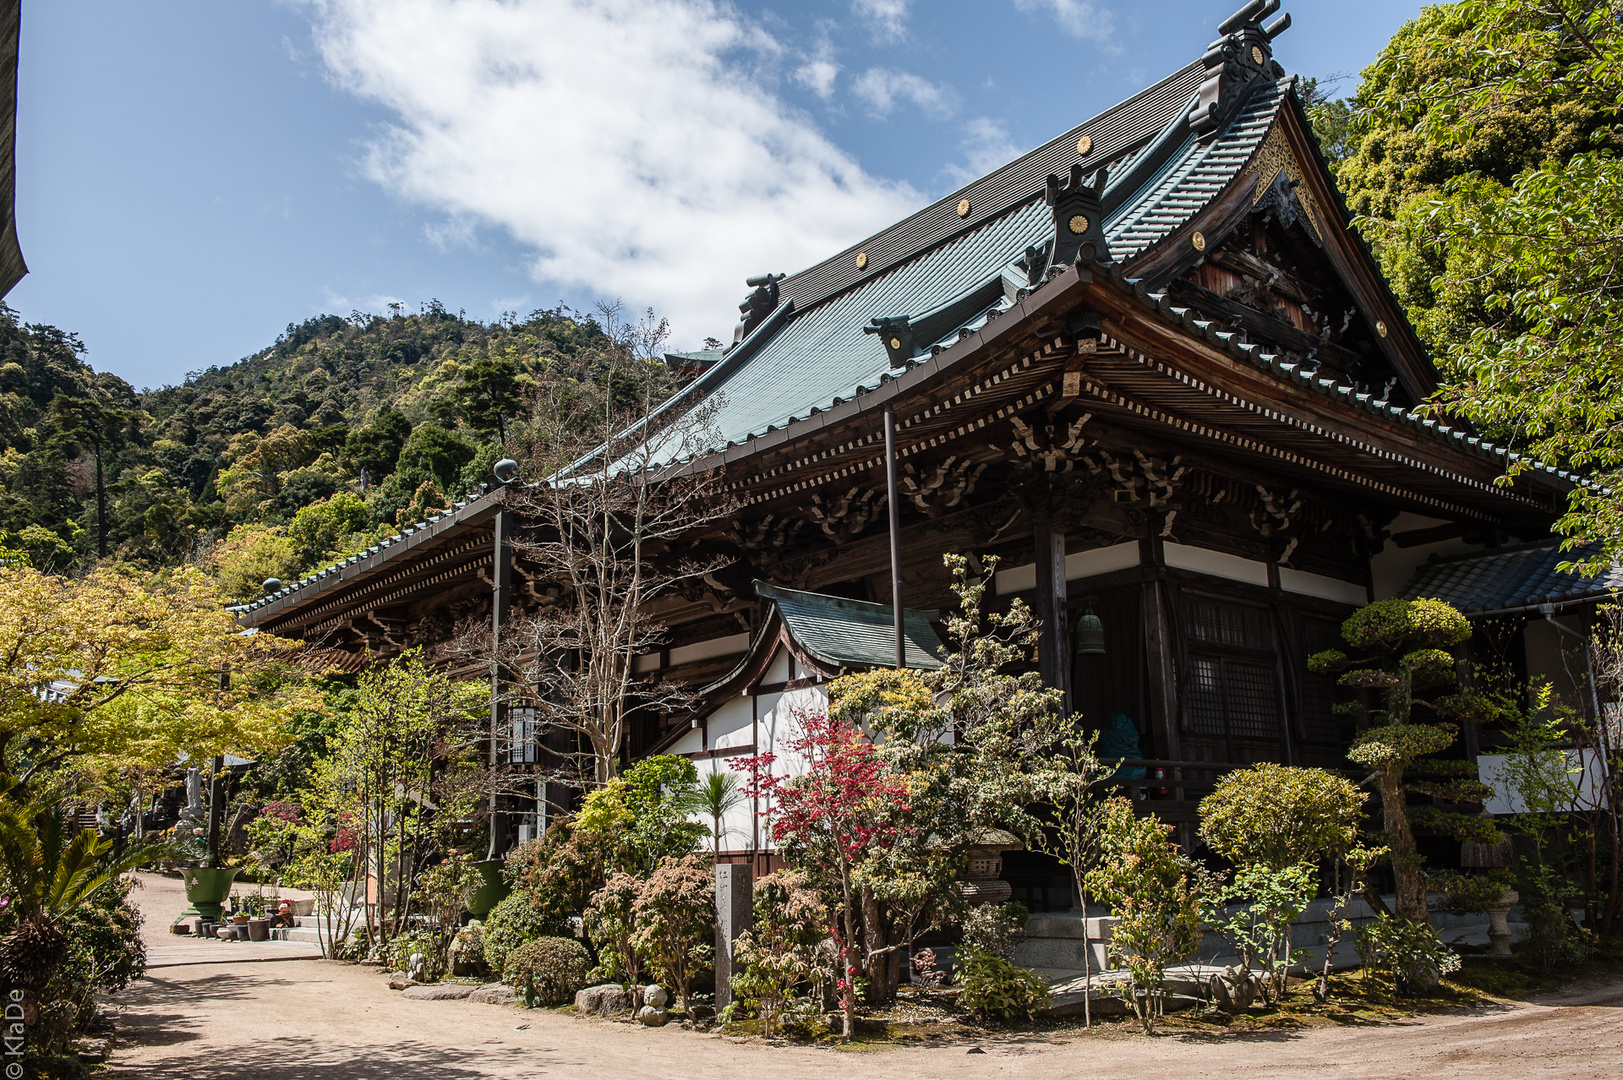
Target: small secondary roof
[(851, 633), (1515, 580)]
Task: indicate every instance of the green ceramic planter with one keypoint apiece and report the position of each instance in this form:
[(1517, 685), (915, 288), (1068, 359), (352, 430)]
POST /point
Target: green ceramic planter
[(491, 892), (206, 889)]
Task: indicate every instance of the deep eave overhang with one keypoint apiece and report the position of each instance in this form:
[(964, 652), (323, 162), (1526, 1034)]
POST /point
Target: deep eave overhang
[(1339, 414), (1343, 245), (12, 266), (421, 539)]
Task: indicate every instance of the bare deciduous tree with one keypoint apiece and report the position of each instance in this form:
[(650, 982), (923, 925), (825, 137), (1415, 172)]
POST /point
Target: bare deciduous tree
[(605, 536)]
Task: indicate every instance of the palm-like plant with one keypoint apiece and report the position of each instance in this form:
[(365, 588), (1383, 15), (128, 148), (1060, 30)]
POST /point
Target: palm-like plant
[(718, 794), (50, 868)]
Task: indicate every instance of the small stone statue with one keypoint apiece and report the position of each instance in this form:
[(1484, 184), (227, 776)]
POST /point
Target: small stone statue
[(194, 795), (417, 968), (1233, 989)]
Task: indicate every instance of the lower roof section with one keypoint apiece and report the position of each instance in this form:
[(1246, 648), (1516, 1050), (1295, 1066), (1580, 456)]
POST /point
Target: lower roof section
[(1512, 581)]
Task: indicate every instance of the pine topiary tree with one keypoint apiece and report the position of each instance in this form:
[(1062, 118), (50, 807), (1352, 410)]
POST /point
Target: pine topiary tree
[(1401, 651)]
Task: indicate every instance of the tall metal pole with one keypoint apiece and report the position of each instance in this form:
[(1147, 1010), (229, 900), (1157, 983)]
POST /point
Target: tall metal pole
[(212, 838), (895, 534), (500, 578)]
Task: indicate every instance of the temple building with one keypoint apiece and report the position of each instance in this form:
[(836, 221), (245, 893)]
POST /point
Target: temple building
[(1149, 366)]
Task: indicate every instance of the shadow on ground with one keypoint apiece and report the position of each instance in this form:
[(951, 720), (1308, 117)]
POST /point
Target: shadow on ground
[(299, 1058)]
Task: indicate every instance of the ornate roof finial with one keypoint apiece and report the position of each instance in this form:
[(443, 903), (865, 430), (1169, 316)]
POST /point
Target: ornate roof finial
[(1079, 219), (1244, 53), (758, 304)]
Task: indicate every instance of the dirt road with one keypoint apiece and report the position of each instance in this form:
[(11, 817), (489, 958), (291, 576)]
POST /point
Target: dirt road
[(310, 1019)]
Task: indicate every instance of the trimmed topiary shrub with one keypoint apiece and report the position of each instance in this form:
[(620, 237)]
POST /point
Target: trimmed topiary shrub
[(516, 920), (548, 971)]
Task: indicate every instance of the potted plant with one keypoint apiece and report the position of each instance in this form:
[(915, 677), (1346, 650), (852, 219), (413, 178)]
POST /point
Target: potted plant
[(206, 889)]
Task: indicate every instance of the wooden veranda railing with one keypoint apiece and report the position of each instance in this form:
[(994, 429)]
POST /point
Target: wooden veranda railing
[(1170, 789)]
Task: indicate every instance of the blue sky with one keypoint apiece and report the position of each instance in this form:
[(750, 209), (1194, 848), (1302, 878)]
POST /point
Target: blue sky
[(193, 175)]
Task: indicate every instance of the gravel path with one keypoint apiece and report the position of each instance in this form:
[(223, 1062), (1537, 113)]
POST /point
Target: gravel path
[(310, 1019)]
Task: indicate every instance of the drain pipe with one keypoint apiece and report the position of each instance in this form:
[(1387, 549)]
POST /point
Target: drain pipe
[(1548, 611)]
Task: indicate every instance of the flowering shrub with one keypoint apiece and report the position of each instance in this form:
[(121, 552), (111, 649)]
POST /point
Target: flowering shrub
[(828, 820), (467, 954), (609, 922), (1150, 883), (1409, 952), (426, 942), (283, 811), (558, 871), (994, 928), (274, 832), (674, 917), (777, 956)]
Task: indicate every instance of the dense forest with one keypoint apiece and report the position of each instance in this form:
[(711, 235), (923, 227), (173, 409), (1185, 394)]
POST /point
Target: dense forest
[(270, 467)]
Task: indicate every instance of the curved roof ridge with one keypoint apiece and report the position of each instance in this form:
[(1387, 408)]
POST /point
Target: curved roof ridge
[(1122, 129)]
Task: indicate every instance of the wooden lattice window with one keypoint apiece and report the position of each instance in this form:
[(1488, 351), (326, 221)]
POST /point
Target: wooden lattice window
[(1238, 698), (524, 745), (1319, 720), (1233, 689), (1228, 625)]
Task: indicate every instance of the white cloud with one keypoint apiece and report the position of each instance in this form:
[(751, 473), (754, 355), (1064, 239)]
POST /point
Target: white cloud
[(455, 232), (1080, 18), (882, 89), (889, 17), (623, 140), (818, 75), (987, 145), (819, 71)]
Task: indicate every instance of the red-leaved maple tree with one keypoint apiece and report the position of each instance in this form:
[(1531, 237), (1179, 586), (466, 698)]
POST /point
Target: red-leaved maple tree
[(828, 817)]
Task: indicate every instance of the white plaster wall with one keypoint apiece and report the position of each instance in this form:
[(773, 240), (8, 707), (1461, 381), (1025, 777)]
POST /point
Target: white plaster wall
[(690, 743), (709, 650), (1216, 563), (1557, 656), (1394, 566), (1078, 564), (1325, 588), (731, 725), (737, 823)]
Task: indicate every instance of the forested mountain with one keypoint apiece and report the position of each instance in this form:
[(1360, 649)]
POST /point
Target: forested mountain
[(272, 465)]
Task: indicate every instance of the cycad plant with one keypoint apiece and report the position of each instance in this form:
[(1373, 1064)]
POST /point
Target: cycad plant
[(49, 868)]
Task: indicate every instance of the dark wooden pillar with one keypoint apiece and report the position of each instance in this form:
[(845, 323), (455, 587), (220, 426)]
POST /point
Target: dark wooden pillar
[(1158, 653), (1053, 642), (893, 499)]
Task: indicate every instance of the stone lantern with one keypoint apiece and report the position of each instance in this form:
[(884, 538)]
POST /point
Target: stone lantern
[(1500, 856), (982, 882)]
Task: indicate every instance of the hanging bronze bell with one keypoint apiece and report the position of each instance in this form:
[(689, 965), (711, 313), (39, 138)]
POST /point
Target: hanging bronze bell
[(1090, 635)]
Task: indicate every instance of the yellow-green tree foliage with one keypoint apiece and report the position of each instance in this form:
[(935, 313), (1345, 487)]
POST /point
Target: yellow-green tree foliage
[(1280, 815), (115, 672)]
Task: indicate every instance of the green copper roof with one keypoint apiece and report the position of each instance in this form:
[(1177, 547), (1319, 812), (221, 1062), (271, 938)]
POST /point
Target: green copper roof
[(851, 633), (802, 360)]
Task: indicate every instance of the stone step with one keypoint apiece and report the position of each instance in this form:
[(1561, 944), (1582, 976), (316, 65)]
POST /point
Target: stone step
[(1104, 1004), (305, 932)]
